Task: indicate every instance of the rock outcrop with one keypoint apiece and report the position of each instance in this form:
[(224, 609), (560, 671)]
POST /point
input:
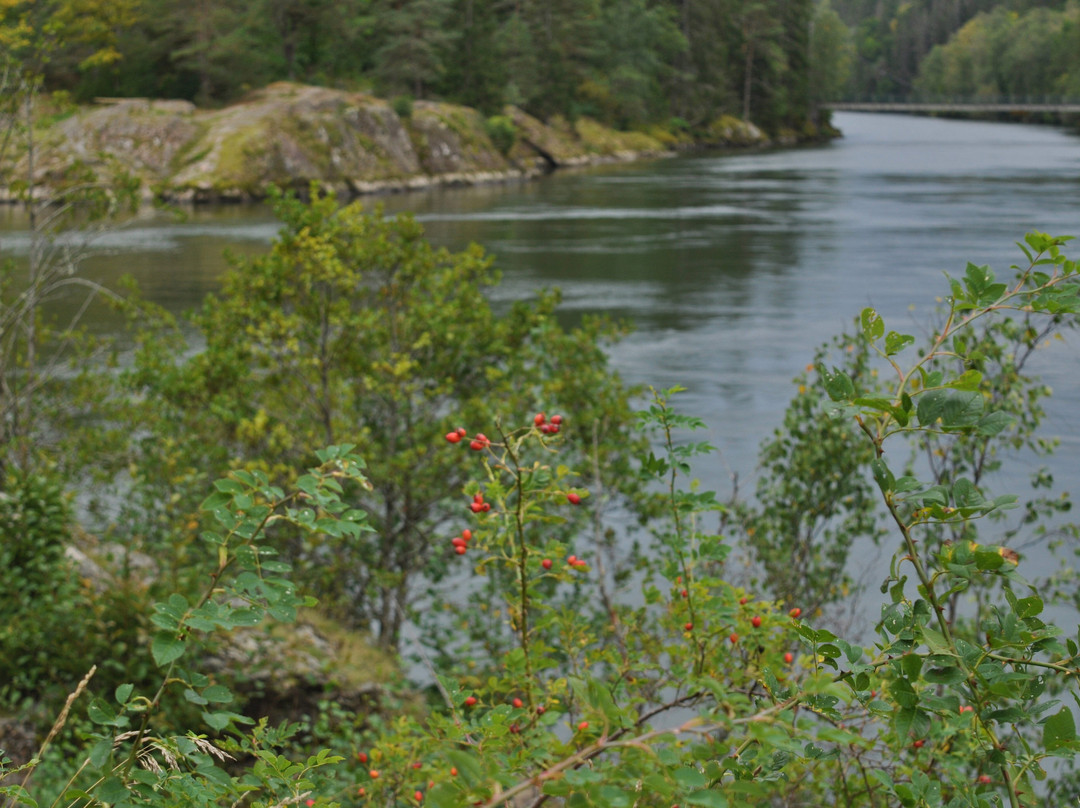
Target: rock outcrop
[(290, 135)]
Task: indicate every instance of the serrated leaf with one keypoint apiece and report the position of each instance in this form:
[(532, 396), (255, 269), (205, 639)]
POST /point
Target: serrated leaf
[(962, 409), (166, 648), (1059, 730)]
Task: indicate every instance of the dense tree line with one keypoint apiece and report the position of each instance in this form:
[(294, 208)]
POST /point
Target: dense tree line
[(625, 62), (893, 38), (1002, 54)]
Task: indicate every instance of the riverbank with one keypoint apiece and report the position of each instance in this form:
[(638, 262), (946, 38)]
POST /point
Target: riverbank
[(291, 135)]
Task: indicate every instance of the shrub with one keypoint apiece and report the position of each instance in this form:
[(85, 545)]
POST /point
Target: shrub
[(502, 131)]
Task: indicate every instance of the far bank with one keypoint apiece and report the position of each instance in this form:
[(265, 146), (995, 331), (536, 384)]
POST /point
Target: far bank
[(291, 135)]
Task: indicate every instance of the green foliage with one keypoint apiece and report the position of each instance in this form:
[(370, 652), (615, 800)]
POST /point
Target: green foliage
[(813, 499), (354, 328), (559, 675), (503, 133), (1001, 54), (43, 603), (628, 63), (402, 106)]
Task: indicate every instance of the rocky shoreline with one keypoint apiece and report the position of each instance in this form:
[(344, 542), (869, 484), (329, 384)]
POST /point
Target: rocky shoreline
[(291, 135)]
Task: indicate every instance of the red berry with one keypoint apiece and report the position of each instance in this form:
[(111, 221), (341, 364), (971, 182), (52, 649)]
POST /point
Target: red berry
[(743, 601), (461, 431), (789, 657), (517, 703), (689, 627), (418, 796), (453, 771), (684, 593), (476, 445), (485, 507), (556, 419), (361, 791), (919, 743), (796, 612), (546, 563), (484, 439), (581, 562), (453, 437), (985, 779), (515, 728), (374, 774), (417, 764), (460, 549), (734, 638), (466, 534), (470, 701), (584, 725), (541, 710), (755, 621), (553, 429), (539, 418), (309, 803), (476, 507), (457, 541), (571, 560), (573, 498), (360, 756)]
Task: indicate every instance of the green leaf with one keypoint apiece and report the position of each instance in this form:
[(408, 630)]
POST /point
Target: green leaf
[(962, 409), (895, 343), (112, 790), (217, 694), (993, 423), (838, 385), (872, 324), (166, 647), (884, 478), (710, 799), (123, 693), (689, 778), (968, 380), (1059, 730), (99, 753), (101, 712)]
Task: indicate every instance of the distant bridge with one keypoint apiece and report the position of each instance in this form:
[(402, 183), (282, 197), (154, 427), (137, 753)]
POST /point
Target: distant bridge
[(975, 107)]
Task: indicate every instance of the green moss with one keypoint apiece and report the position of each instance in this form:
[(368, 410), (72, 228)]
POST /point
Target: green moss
[(186, 154), (602, 140), (240, 151)]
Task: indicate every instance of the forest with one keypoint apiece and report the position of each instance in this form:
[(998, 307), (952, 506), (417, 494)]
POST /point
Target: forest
[(351, 535), (624, 62), (962, 49)]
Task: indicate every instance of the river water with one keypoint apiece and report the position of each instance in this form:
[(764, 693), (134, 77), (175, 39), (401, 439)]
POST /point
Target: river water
[(732, 267)]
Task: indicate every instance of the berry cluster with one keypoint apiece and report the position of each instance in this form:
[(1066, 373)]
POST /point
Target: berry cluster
[(478, 505), (461, 542), (548, 427)]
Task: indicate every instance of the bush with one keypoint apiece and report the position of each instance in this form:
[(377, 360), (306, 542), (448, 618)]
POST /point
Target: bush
[(402, 106), (42, 612), (502, 131), (552, 686)]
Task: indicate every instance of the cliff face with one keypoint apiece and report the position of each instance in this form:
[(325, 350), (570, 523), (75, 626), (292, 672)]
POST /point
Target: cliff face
[(291, 134)]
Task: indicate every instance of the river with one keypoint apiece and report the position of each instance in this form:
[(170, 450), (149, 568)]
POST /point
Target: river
[(732, 267)]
